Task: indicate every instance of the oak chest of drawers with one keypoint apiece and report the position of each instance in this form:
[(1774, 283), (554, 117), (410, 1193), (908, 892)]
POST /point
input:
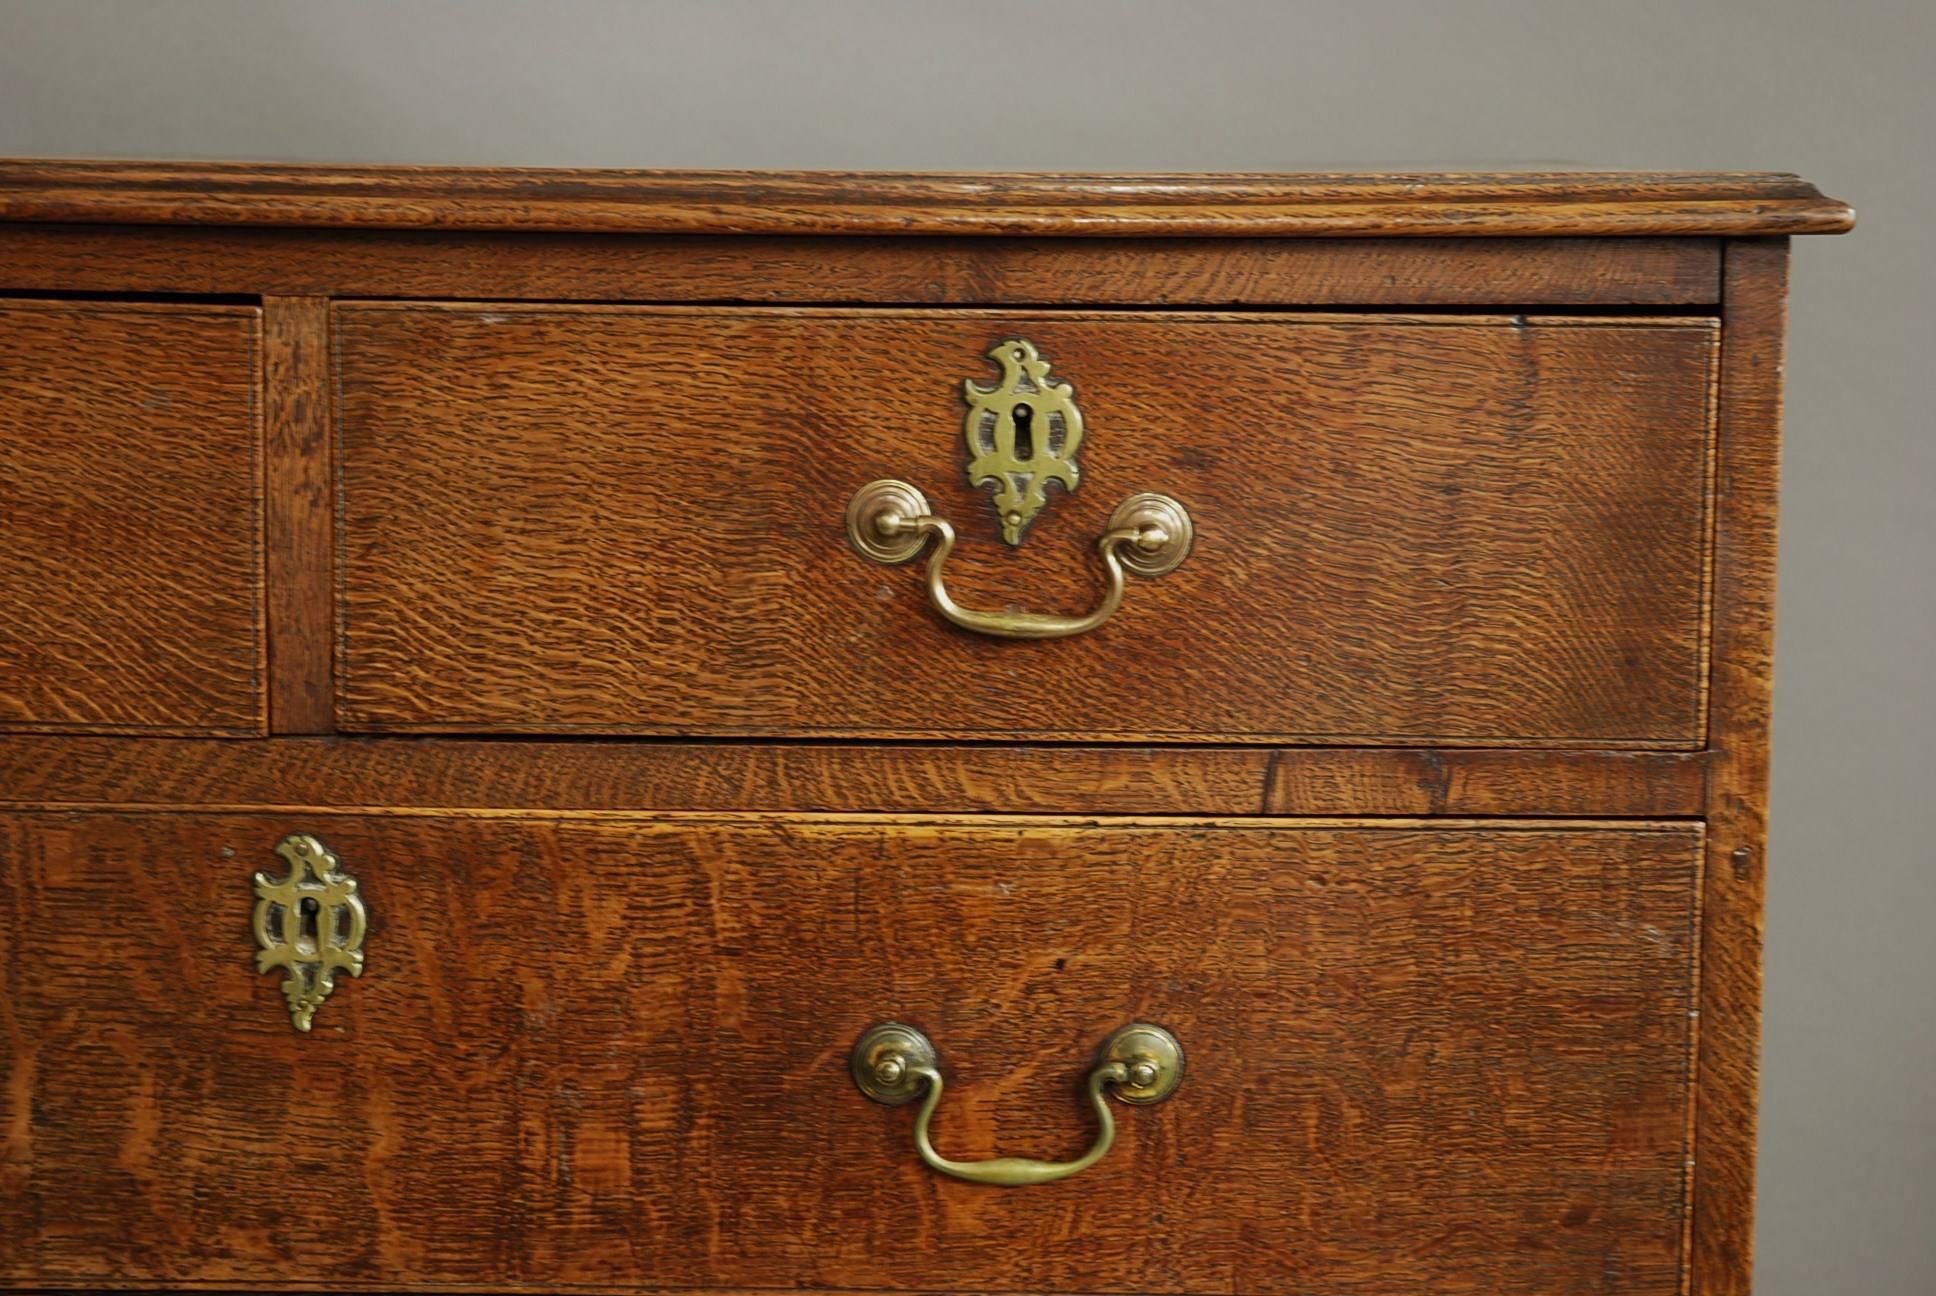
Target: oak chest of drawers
[(548, 718)]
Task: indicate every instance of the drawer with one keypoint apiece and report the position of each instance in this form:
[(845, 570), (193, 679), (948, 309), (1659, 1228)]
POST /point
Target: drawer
[(1433, 529), (614, 1052), (129, 487)]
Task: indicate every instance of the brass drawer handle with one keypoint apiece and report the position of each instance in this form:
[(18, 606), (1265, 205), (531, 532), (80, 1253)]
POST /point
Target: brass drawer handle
[(889, 522), (893, 1063)]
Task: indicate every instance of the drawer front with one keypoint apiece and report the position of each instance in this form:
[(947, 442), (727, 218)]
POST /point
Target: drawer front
[(614, 1052), (129, 567), (1439, 529)]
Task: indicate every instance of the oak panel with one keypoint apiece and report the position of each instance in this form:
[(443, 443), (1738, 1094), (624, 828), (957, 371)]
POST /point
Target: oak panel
[(1450, 780), (1749, 455), (877, 777), (1425, 530), (130, 572), (613, 1052), (298, 528), (1213, 272)]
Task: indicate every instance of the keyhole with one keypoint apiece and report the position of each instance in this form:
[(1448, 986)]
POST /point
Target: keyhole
[(308, 910), (1025, 432)]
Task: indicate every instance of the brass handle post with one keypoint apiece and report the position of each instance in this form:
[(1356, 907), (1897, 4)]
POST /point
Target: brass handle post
[(890, 522), (894, 1064)]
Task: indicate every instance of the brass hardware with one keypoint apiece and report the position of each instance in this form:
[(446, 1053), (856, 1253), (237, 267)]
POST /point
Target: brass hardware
[(889, 522), (876, 517), (887, 1060), (893, 1064), (1022, 434), (310, 924), (1153, 1059)]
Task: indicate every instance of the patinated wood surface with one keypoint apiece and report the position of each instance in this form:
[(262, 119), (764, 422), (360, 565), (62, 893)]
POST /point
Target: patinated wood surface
[(1448, 566), (1737, 860), (614, 1053), (1421, 531), (1395, 780), (888, 271), (130, 568), (727, 202), (301, 506), (1008, 779)]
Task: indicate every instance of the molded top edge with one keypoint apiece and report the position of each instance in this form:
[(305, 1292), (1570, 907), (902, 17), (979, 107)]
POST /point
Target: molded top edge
[(863, 203)]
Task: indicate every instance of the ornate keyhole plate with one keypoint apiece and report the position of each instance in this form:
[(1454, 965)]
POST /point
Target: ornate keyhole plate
[(310, 924), (1022, 434)]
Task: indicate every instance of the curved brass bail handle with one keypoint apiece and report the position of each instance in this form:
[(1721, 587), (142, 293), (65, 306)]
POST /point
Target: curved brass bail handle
[(893, 1064), (1011, 1172), (889, 522)]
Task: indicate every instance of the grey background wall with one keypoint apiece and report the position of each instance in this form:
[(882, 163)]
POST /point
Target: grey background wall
[(1839, 92)]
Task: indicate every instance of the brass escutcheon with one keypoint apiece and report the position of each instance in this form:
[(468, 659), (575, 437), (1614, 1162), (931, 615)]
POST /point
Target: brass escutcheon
[(310, 924), (1022, 436)]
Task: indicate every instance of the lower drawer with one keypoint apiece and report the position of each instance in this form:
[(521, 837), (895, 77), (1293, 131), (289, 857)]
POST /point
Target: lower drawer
[(613, 1052)]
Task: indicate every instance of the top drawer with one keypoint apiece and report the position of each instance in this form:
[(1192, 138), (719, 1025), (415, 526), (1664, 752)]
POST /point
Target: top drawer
[(1482, 530), (130, 571)]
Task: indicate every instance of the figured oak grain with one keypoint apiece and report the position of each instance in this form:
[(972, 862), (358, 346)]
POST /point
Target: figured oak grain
[(130, 502), (301, 510), (934, 270), (1747, 481), (1463, 1050), (614, 1053), (1421, 531), (1468, 781), (872, 777), (849, 203)]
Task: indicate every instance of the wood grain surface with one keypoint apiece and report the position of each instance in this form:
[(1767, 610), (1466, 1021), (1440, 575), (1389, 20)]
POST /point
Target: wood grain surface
[(130, 566), (1503, 579), (890, 271), (613, 1053), (301, 510), (1749, 455), (777, 202), (1454, 781), (980, 779), (1416, 530)]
